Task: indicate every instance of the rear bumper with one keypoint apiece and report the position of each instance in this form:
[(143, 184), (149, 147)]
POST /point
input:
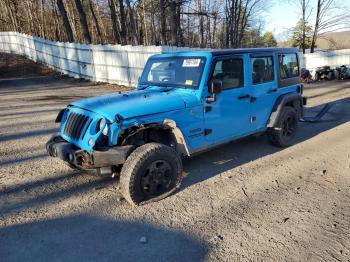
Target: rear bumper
[(78, 158), (304, 100)]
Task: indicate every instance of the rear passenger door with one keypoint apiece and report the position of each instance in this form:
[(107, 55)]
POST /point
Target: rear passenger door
[(264, 88)]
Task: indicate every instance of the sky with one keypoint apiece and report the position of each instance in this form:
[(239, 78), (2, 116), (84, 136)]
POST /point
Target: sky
[(284, 15)]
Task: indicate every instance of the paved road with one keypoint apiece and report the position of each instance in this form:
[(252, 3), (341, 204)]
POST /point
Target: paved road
[(246, 200)]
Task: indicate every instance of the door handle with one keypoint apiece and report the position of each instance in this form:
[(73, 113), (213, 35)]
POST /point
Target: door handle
[(272, 90), (252, 99), (243, 97)]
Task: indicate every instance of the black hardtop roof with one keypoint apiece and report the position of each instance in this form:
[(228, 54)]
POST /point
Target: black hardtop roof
[(252, 50)]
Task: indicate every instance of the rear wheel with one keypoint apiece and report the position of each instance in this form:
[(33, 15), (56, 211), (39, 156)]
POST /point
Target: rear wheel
[(151, 172), (284, 132)]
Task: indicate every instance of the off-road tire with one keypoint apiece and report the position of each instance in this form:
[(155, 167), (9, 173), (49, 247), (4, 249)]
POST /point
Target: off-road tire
[(139, 162), (277, 134), (330, 75), (317, 77)]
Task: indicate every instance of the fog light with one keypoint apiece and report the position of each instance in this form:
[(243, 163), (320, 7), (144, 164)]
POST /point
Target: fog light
[(70, 157), (91, 142)]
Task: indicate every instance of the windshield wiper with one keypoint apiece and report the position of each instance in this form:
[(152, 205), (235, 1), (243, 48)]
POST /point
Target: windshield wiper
[(168, 88), (143, 87)]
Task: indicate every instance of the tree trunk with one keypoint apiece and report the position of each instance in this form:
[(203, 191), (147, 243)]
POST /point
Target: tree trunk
[(208, 39), (98, 30), (317, 22), (122, 22), (42, 19), (155, 35), (162, 22), (66, 23), (145, 22), (303, 8), (180, 24), (227, 25), (83, 21), (114, 21), (12, 15), (174, 23), (132, 23), (30, 18), (201, 25), (102, 27)]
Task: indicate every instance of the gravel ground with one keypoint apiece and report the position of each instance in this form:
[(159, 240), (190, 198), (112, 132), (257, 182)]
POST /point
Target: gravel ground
[(245, 201)]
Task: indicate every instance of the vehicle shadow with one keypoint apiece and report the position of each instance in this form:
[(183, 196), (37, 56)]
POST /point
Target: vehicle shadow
[(237, 153), (87, 238)]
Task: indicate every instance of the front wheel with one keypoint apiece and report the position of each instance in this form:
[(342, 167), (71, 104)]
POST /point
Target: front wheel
[(284, 132), (151, 172)]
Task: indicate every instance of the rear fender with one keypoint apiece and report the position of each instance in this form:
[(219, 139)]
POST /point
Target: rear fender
[(294, 100)]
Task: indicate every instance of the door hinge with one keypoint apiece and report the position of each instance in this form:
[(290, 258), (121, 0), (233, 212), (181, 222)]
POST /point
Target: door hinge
[(252, 119), (207, 131), (207, 109)]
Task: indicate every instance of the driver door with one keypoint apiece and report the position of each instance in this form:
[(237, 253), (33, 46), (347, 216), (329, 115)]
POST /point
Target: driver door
[(229, 116)]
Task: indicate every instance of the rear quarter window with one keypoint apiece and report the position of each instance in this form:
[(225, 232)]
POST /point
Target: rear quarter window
[(288, 66)]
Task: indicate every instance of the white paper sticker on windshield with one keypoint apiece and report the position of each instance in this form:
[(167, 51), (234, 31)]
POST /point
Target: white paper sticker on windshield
[(191, 62)]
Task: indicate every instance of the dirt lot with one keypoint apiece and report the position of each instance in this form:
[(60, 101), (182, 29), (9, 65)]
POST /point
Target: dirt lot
[(245, 201)]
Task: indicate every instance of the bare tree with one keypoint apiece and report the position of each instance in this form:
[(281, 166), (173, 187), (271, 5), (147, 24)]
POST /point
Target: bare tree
[(195, 23), (304, 5), (66, 22), (97, 25), (116, 33), (329, 15), (162, 22), (83, 21), (174, 23), (122, 22), (132, 23)]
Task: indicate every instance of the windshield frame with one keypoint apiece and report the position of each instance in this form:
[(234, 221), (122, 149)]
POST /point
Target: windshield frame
[(166, 84)]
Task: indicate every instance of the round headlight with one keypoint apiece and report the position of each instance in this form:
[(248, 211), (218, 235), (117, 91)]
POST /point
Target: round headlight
[(100, 125), (105, 130)]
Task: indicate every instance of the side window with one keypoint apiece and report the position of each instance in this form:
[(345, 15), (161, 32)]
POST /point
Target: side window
[(288, 66), (262, 68), (230, 72)]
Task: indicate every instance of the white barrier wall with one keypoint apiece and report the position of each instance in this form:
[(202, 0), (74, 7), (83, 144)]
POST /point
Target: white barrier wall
[(331, 58), (102, 63), (116, 63)]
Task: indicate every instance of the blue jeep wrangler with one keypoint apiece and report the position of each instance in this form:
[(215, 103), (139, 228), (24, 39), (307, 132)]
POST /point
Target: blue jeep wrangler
[(184, 103)]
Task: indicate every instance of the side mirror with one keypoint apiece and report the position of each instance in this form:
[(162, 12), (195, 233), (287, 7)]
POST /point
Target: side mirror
[(215, 86)]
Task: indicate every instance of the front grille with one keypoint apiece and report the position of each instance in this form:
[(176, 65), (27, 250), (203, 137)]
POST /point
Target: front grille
[(76, 125)]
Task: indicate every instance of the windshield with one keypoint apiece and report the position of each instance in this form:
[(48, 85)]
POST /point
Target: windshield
[(183, 72)]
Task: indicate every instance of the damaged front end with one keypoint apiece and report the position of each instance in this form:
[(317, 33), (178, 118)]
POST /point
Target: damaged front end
[(87, 140), (78, 158)]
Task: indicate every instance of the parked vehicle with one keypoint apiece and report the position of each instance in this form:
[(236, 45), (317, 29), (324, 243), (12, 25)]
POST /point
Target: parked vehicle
[(324, 73), (306, 76), (184, 104), (342, 72)]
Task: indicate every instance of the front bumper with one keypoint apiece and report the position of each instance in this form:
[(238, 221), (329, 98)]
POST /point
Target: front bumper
[(78, 158)]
